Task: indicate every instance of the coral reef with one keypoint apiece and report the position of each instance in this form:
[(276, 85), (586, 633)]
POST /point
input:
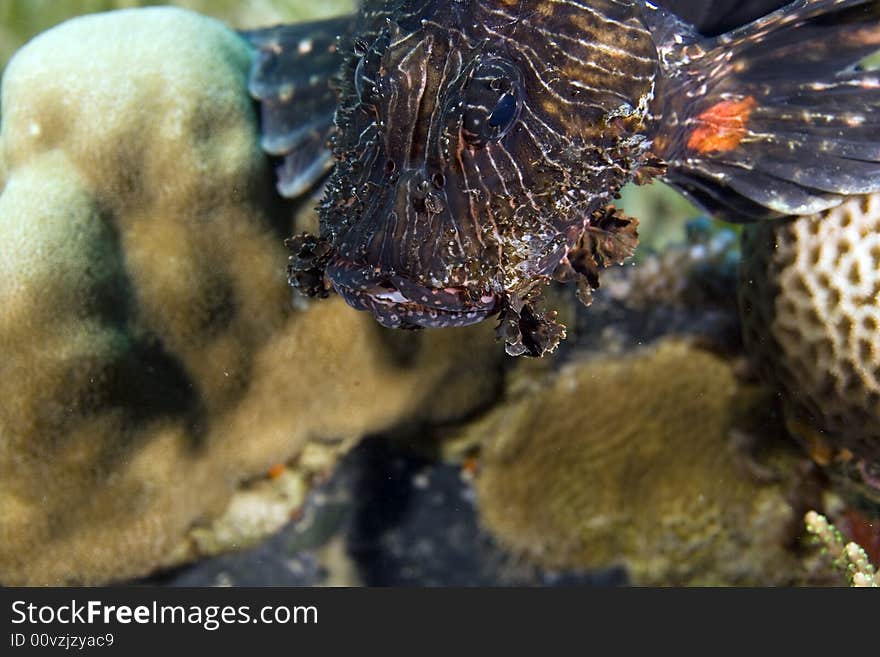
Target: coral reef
[(388, 516), (698, 272), (153, 364), (687, 290), (810, 300), (164, 398), (642, 460)]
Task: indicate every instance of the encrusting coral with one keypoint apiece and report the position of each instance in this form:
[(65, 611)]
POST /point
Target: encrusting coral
[(641, 460), (152, 361), (810, 306)]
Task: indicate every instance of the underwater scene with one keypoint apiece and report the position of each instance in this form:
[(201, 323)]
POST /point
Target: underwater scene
[(423, 293)]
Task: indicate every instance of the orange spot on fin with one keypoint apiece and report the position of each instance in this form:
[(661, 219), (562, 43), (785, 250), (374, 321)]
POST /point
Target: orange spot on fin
[(276, 471), (723, 126)]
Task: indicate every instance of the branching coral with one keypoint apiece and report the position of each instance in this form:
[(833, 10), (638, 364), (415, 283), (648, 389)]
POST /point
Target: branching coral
[(847, 556)]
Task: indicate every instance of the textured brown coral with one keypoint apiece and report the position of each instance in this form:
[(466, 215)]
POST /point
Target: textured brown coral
[(152, 364), (810, 305), (630, 461)]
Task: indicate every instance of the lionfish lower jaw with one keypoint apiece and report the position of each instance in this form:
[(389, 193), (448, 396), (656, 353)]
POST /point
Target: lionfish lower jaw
[(524, 330), (400, 302), (392, 310)]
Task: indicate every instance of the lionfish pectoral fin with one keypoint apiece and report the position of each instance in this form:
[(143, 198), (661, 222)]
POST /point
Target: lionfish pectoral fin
[(779, 117), (526, 331), (292, 79), (307, 264)]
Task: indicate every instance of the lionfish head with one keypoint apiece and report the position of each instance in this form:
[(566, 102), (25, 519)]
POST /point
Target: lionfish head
[(470, 155)]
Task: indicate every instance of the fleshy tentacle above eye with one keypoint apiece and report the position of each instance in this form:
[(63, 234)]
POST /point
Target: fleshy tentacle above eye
[(292, 78)]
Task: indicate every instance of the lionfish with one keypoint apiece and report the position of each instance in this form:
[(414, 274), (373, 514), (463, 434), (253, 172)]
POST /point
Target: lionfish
[(471, 150)]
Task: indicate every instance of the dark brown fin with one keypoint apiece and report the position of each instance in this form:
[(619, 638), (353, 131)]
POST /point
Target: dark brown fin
[(775, 118), (610, 238), (292, 78)]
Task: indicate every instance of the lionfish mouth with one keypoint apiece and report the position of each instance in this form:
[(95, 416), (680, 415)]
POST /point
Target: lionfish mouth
[(400, 302)]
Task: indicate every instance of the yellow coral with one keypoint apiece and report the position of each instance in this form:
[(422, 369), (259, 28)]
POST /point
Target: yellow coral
[(629, 461), (152, 363)]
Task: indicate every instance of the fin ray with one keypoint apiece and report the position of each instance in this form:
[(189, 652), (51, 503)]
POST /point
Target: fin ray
[(779, 111), (718, 16)]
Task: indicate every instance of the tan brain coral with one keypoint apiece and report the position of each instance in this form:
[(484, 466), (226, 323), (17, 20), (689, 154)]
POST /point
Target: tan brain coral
[(810, 302), (152, 364)]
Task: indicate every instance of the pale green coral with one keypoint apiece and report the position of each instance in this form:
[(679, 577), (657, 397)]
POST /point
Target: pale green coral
[(849, 557)]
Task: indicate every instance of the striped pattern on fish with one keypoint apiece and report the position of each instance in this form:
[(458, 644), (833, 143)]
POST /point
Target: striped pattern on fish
[(478, 144)]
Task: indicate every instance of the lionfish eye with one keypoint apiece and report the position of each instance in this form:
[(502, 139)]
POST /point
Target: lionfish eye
[(491, 102), (504, 113)]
